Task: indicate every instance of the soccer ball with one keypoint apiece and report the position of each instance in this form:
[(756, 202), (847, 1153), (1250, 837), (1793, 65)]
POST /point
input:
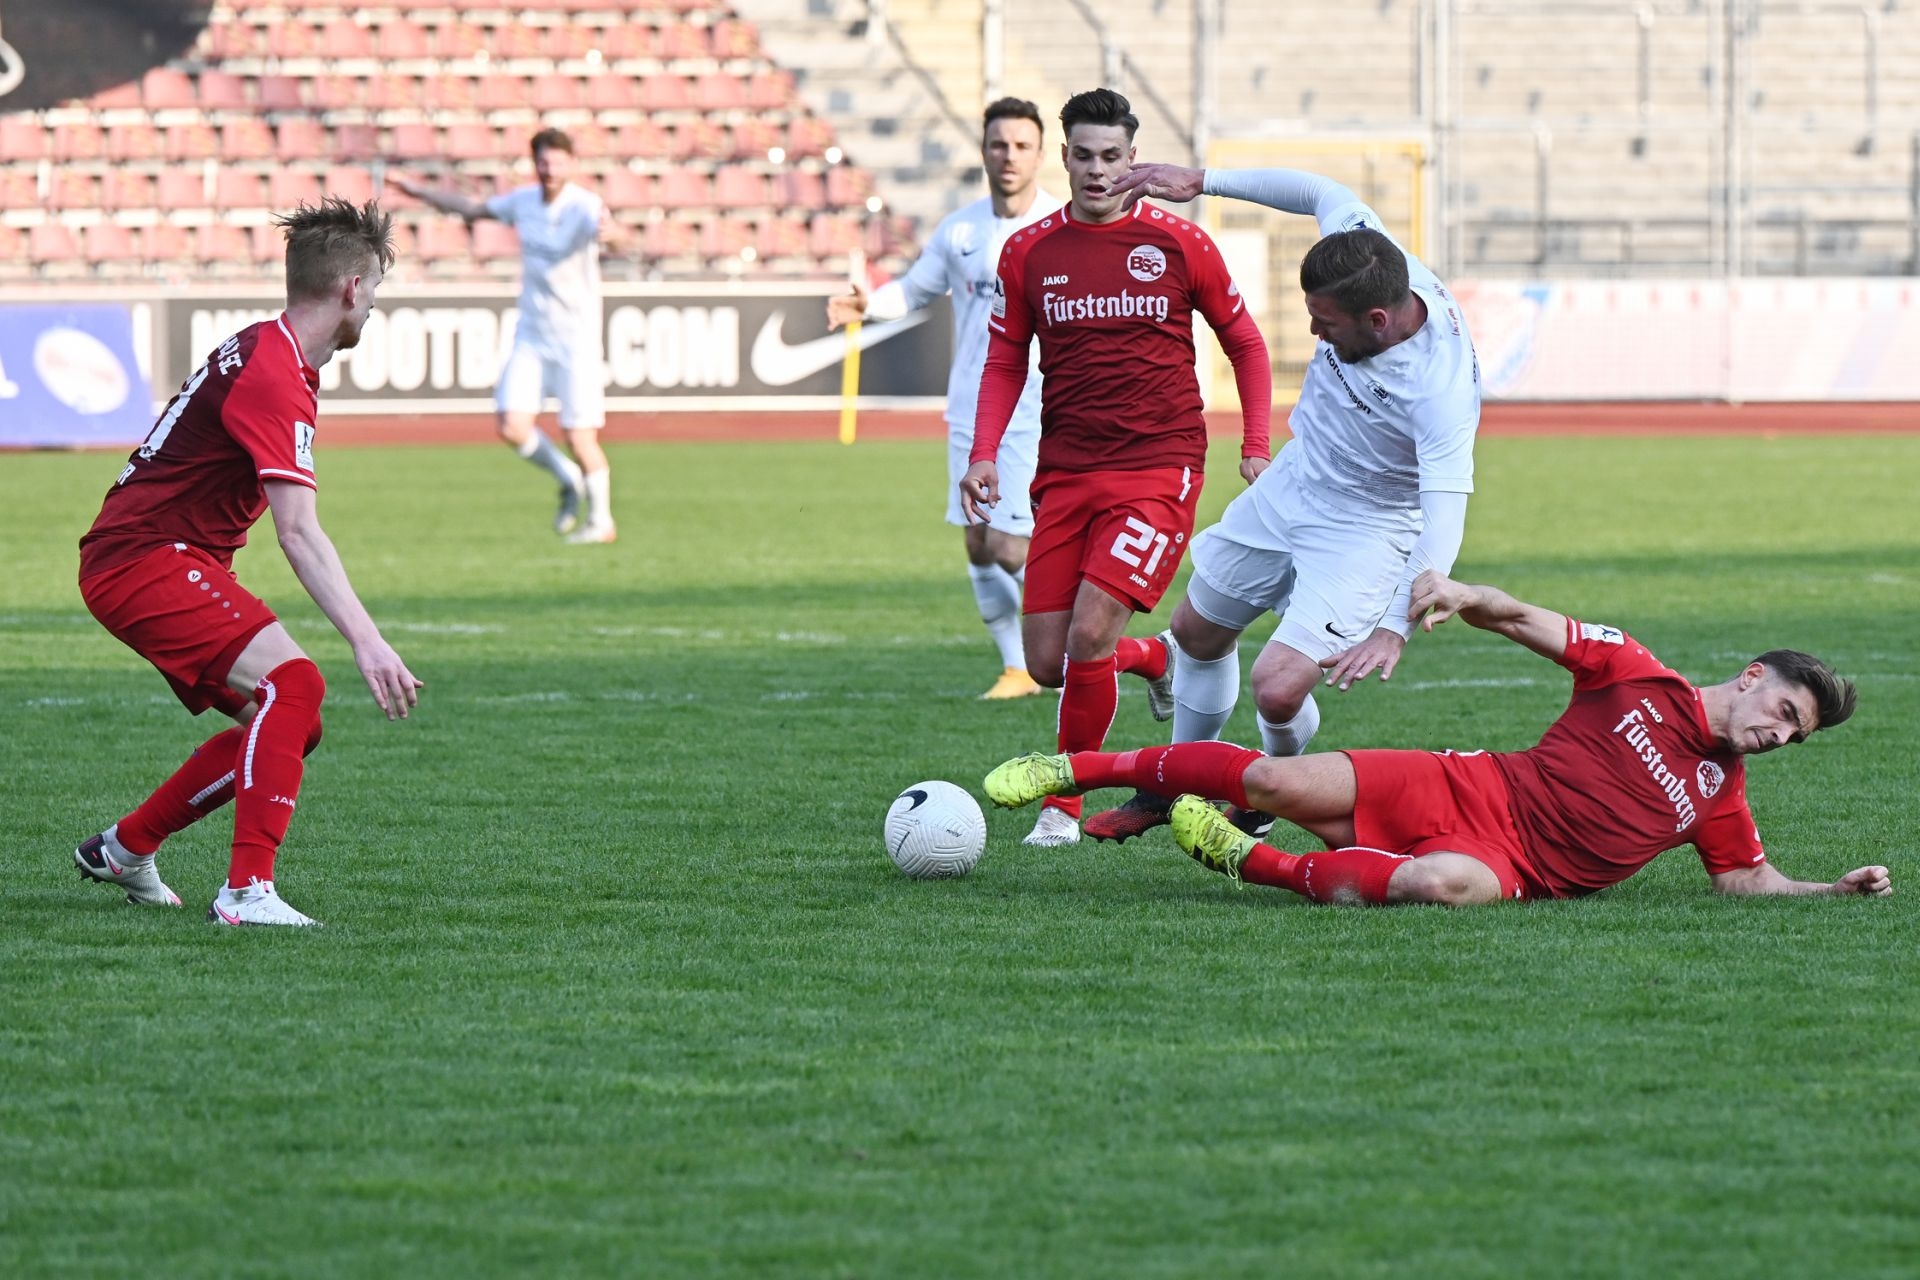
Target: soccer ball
[(935, 830)]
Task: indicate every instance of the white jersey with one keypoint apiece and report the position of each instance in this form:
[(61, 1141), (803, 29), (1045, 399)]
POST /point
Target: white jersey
[(560, 314), (962, 258), (1379, 431)]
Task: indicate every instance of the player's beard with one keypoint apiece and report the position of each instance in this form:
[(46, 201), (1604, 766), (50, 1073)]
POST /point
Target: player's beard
[(347, 335)]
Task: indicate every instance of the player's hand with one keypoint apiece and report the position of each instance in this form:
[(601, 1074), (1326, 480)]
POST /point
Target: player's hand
[(979, 491), (1173, 182), (1872, 882), (845, 308), (1435, 598), (395, 690), (1250, 468), (1380, 651)]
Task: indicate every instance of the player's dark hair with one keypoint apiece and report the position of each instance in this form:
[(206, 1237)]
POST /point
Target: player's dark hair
[(1833, 697), (332, 242), (550, 140), (1099, 106), (1359, 269), (1013, 109)]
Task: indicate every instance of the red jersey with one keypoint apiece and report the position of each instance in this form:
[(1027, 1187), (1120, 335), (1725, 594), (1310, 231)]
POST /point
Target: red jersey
[(1113, 306), (245, 416), (1628, 771)]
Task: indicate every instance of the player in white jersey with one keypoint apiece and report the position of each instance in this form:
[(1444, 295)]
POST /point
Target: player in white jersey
[(961, 259), (556, 340), (1370, 492)]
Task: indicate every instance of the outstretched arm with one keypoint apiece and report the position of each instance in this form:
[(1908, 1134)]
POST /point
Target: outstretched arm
[(1764, 880), (1436, 598), (445, 199), (315, 562), (1288, 190)]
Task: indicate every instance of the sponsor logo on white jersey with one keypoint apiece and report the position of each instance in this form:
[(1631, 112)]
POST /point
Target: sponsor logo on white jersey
[(1710, 776), (1633, 727), (1105, 306), (1146, 263)]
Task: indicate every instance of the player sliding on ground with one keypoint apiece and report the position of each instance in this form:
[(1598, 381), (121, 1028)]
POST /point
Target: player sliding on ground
[(157, 570), (1640, 762)]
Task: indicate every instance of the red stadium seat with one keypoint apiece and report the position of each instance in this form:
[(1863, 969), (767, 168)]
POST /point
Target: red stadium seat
[(354, 185), (498, 92), (181, 189), (136, 140), (78, 142), (612, 91), (642, 140), (238, 189), (492, 239), (770, 91), (73, 189), (19, 189), (164, 89), (338, 93), (247, 138), (109, 242), (52, 243), (471, 142), (720, 91), (568, 41), (345, 38), (627, 40), (782, 237), (459, 40), (221, 244), (725, 237), (682, 40), (362, 141), (831, 235), (848, 186), (590, 139), (292, 38), (289, 187), (446, 93), (281, 93), (413, 142), (737, 188), (224, 41), (121, 97), (192, 142), (441, 238), (684, 189), (125, 189), (624, 190), (267, 243), (299, 138), (668, 238), (165, 242), (664, 92), (515, 40), (699, 139), (734, 38), (23, 138), (557, 93), (808, 136), (752, 139), (13, 246), (219, 91)]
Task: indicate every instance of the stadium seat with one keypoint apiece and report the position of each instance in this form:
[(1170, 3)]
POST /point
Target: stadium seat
[(266, 243), (664, 92), (642, 140), (412, 142), (499, 92), (493, 239), (725, 237), (239, 189), (752, 139), (627, 40), (831, 235), (436, 93), (343, 38), (125, 189), (13, 251), (626, 191), (720, 91), (668, 238), (612, 92), (847, 186), (226, 41), (299, 138), (247, 138), (52, 244), (289, 187), (73, 189), (590, 138), (682, 40), (108, 242), (338, 93), (164, 89), (19, 189), (180, 189), (512, 40), (459, 40), (165, 242), (135, 140), (770, 90), (23, 138), (781, 237), (280, 93), (222, 245), (738, 188), (808, 136), (568, 41), (293, 38), (801, 189), (471, 142), (121, 97), (438, 239), (683, 189), (192, 142), (349, 183), (78, 141), (700, 139), (219, 91), (362, 141), (557, 93)]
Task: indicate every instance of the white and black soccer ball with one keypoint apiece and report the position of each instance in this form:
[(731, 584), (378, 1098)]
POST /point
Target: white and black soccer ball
[(935, 830)]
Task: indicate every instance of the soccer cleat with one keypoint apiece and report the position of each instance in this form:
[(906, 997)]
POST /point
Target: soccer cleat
[(1134, 818), (255, 904), (1206, 836), (567, 518), (1014, 682), (101, 858), (1160, 692), (1054, 828), (1251, 821), (587, 534), (1025, 779)]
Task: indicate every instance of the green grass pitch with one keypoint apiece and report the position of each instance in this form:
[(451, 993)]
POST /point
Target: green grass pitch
[(618, 981)]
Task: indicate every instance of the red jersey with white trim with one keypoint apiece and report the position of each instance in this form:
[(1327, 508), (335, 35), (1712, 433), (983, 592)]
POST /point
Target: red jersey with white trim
[(1628, 771), (1113, 304), (244, 417)]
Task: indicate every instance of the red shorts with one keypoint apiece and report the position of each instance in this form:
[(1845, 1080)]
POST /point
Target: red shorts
[(1416, 802), (178, 608), (1124, 531)]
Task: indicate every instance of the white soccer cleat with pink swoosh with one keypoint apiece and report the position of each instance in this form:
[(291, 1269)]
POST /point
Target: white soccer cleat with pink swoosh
[(102, 858), (255, 904)]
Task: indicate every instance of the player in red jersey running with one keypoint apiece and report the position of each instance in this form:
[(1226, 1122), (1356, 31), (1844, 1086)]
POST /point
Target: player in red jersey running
[(1109, 288), (1640, 762), (156, 570)]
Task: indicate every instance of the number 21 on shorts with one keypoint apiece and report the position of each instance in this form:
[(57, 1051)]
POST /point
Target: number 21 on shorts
[(1130, 546)]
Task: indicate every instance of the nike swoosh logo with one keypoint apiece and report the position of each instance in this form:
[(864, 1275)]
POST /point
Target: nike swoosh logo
[(224, 916), (919, 798), (1337, 635), (112, 866), (778, 364)]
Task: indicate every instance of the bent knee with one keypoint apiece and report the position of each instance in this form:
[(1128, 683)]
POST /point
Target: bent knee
[(1447, 880), (314, 735), (1047, 676)]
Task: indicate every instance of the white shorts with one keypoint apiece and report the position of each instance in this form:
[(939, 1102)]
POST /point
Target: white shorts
[(1019, 457), (579, 382), (1329, 573)]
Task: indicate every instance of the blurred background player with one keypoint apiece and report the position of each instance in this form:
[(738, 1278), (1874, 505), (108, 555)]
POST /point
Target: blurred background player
[(557, 345), (157, 570), (960, 260), (1109, 287), (1640, 762), (1370, 491)]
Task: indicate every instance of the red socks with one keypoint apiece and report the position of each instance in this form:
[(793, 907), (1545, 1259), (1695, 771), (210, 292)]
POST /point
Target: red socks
[(1087, 702), (197, 788), (1217, 770), (1338, 875), (1144, 658), (269, 767)]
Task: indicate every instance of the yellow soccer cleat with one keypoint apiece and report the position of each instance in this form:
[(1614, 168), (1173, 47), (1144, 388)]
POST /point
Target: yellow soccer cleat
[(1206, 836), (1014, 682), (1027, 778)]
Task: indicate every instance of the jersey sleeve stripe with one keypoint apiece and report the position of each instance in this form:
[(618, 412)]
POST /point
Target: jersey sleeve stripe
[(274, 473)]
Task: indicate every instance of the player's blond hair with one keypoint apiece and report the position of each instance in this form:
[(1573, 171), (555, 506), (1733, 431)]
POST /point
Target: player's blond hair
[(332, 242), (1833, 696)]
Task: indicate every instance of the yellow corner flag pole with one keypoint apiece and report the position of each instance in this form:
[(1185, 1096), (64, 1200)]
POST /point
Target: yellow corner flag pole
[(850, 368)]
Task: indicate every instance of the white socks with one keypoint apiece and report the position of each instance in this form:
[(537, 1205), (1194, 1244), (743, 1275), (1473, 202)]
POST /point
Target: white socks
[(599, 500), (1291, 738), (1203, 695), (545, 454), (998, 594)]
